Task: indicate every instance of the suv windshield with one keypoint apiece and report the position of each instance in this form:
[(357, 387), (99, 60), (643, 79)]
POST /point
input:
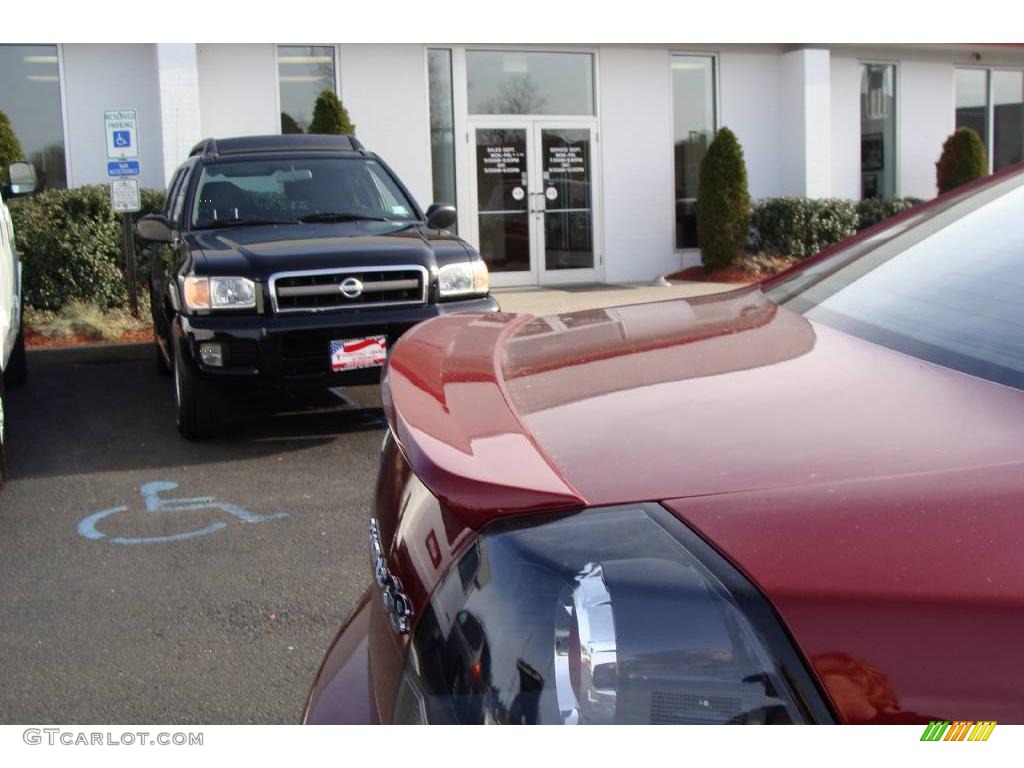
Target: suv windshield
[(298, 190), (946, 286)]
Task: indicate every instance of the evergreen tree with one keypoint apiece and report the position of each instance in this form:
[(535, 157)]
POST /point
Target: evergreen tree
[(723, 202)]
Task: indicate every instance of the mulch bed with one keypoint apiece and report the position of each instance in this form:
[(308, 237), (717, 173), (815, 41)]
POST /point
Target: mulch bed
[(722, 275), (34, 338)]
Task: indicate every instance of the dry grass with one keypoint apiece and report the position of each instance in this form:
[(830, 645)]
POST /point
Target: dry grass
[(83, 319)]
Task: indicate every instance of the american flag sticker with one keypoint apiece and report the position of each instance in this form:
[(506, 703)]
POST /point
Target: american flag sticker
[(348, 354)]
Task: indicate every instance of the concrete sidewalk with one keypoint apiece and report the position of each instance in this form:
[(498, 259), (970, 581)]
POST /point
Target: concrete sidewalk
[(549, 301)]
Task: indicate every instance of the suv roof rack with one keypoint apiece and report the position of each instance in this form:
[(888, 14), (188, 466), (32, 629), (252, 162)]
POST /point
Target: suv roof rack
[(310, 142)]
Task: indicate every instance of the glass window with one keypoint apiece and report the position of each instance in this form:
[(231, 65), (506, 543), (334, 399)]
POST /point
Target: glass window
[(694, 124), (308, 190), (878, 130), (972, 101), (172, 188), (442, 124), (179, 194), (530, 83), (1007, 127), (944, 287), (30, 97), (303, 73)]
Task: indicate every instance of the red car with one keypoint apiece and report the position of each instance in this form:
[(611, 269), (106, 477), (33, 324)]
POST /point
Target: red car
[(796, 502)]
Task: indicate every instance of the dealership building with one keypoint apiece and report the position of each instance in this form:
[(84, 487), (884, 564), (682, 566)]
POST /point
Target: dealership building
[(568, 163)]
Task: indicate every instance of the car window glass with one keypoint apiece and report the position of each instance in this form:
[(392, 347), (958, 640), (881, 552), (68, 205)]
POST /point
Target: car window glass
[(951, 296), (179, 199), (172, 189), (388, 199), (294, 188)]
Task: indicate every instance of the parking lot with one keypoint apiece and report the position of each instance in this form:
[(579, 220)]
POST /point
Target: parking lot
[(149, 579), (223, 627)]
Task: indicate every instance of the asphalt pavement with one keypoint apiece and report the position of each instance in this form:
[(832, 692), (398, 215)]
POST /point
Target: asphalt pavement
[(147, 579), (216, 609)]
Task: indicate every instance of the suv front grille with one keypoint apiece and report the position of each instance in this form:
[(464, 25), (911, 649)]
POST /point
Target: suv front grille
[(339, 289)]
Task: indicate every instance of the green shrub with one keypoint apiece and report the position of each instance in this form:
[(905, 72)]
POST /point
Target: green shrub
[(723, 202), (962, 160), (69, 241), (876, 209), (288, 124), (10, 147), (801, 226), (329, 116)]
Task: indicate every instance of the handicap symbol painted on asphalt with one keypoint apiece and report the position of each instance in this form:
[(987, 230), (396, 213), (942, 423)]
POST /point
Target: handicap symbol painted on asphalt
[(122, 138), (151, 496)]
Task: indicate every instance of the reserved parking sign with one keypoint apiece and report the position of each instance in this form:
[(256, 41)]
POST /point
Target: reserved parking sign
[(121, 128)]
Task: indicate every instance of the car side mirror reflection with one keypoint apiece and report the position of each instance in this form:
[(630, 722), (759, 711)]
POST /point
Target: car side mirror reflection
[(155, 227), (441, 216), (23, 180)]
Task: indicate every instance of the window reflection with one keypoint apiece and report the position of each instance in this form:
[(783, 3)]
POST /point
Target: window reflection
[(530, 83), (878, 130), (972, 102), (30, 97), (442, 125), (1007, 126), (568, 221), (694, 123), (303, 72), (502, 203)]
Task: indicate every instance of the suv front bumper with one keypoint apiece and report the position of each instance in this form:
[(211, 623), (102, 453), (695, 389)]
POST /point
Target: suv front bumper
[(293, 351)]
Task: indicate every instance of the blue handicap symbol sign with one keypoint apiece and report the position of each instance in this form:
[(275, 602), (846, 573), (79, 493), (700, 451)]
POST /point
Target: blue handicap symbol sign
[(151, 498), (122, 139)]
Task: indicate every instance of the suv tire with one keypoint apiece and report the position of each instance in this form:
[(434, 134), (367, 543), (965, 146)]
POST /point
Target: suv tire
[(199, 406)]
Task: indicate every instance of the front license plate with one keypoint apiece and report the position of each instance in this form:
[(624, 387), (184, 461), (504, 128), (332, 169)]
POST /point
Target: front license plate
[(348, 354)]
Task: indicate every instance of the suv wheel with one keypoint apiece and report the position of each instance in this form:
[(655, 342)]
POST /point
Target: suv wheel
[(17, 365), (199, 413)]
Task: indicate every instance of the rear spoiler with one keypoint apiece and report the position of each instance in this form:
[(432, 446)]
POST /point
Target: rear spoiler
[(449, 411)]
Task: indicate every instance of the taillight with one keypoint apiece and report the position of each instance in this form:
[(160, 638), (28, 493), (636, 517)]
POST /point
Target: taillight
[(616, 615)]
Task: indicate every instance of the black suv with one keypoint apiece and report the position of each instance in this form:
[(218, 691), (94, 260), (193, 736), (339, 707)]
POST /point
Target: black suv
[(294, 262)]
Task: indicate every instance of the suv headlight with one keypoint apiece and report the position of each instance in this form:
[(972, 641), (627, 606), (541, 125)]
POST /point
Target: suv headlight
[(219, 293), (617, 615), (463, 278)]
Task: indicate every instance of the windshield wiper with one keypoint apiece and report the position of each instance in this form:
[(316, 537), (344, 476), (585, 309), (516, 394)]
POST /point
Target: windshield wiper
[(221, 223), (340, 216)]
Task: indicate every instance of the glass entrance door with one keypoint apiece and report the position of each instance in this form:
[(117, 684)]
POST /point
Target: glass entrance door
[(535, 196), (565, 204)]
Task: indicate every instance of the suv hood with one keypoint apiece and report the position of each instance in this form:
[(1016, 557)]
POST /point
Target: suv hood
[(259, 252)]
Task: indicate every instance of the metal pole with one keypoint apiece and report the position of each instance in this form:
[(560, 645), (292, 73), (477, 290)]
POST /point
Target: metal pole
[(129, 263)]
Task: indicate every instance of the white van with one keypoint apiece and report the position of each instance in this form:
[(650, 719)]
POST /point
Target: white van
[(12, 337)]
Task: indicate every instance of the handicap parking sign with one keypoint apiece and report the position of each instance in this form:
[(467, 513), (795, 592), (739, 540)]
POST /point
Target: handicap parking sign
[(122, 131)]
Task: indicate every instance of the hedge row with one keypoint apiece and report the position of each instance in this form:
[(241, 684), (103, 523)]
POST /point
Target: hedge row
[(70, 246), (70, 240), (800, 226)]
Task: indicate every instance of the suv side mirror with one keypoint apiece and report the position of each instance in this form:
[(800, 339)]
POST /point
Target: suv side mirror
[(155, 227), (441, 216), (23, 179)]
